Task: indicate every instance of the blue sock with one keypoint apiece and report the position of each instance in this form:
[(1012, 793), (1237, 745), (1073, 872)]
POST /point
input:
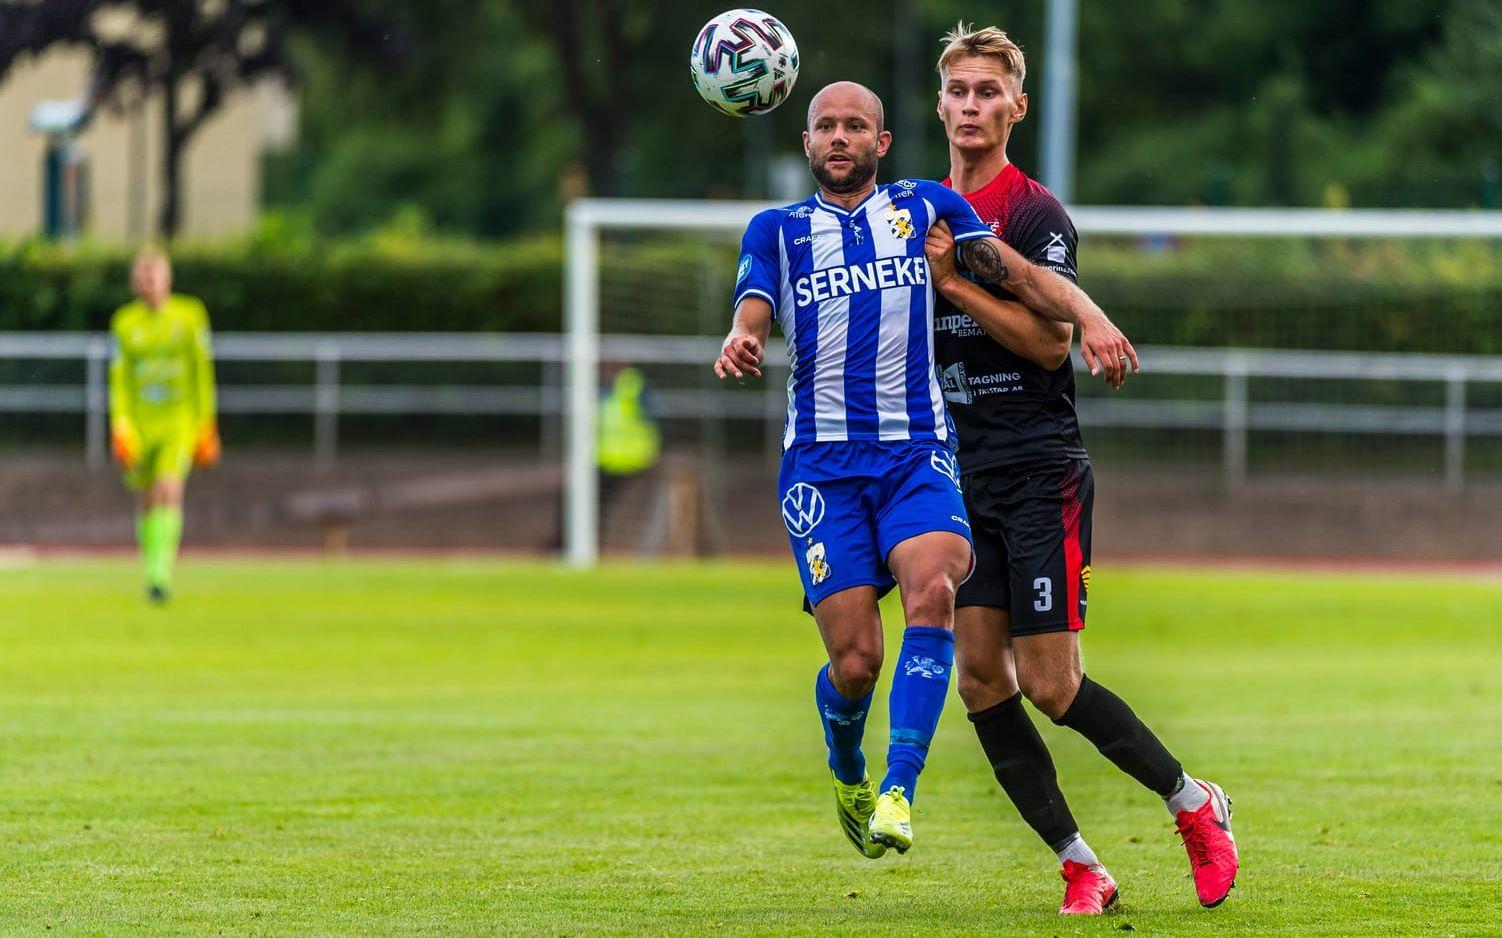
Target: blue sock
[(844, 725), (920, 686)]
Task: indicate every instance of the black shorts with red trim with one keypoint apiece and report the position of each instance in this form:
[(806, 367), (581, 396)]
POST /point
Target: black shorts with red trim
[(1031, 530)]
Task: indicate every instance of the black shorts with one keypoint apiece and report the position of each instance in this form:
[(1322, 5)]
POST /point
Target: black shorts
[(1031, 529)]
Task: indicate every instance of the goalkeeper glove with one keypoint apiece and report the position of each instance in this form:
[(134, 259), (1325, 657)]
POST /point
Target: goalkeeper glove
[(124, 444), (206, 453)]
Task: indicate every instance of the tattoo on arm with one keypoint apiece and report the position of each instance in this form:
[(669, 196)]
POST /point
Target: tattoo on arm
[(982, 256)]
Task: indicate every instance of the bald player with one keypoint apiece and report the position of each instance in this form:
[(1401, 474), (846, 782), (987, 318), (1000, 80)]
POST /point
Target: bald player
[(868, 485)]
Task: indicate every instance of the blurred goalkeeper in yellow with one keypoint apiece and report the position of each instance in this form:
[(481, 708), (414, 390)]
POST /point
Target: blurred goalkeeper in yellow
[(162, 419)]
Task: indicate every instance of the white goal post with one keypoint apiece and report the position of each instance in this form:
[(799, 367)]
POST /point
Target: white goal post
[(586, 219)]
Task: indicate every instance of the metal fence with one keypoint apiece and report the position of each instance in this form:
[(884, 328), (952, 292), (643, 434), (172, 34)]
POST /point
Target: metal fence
[(328, 397)]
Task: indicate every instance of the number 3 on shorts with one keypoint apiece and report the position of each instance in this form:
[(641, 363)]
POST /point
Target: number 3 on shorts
[(1044, 602)]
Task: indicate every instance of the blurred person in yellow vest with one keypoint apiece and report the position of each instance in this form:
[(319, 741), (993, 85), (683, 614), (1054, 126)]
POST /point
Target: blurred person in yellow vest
[(162, 407), (628, 439)]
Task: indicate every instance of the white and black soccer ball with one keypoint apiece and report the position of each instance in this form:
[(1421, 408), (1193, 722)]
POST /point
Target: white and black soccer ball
[(744, 62)]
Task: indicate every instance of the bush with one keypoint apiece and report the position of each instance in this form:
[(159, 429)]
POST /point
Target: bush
[(1291, 293), (1377, 295), (381, 283)]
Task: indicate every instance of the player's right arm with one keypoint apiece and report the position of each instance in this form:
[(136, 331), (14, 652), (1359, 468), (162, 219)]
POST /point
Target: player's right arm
[(757, 285), (1104, 347), (206, 449), (125, 442), (747, 342), (1041, 341)]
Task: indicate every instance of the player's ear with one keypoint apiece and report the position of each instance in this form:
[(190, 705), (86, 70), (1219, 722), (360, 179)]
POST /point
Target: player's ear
[(805, 143), (883, 143), (1020, 111)]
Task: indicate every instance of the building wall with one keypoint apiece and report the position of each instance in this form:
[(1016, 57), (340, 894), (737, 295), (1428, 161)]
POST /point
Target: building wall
[(221, 168)]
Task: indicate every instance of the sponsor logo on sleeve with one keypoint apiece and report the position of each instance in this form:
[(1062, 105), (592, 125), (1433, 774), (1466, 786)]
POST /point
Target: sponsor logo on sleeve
[(742, 271), (1056, 251)]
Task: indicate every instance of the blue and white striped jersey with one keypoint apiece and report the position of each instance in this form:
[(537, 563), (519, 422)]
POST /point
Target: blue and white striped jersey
[(850, 290)]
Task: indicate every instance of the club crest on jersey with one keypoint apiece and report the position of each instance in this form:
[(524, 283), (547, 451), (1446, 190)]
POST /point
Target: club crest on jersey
[(802, 509), (943, 464), (900, 220), (818, 566), (743, 270)]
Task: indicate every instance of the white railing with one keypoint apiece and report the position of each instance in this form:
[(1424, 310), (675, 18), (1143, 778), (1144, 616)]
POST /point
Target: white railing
[(328, 395), (586, 219)]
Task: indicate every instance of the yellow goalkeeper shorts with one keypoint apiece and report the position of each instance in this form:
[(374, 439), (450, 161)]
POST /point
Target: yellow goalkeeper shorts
[(166, 456)]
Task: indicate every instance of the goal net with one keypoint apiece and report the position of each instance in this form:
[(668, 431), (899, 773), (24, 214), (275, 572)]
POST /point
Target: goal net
[(1276, 344)]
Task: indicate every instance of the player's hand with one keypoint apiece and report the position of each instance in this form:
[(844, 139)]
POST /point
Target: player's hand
[(938, 247), (124, 446), (1107, 351), (741, 354), (206, 452)]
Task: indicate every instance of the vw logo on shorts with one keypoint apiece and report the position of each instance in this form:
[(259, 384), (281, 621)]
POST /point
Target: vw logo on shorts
[(944, 464), (802, 509)]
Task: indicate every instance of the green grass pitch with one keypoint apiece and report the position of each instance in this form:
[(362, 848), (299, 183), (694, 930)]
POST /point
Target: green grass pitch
[(471, 747)]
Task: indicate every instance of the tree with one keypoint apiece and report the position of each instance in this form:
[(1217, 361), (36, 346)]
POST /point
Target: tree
[(194, 53)]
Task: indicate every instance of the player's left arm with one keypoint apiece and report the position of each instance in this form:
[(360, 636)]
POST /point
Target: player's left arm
[(206, 397)]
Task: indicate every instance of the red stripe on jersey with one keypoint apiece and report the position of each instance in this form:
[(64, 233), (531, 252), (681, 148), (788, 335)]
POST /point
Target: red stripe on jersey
[(1071, 512), (994, 201)]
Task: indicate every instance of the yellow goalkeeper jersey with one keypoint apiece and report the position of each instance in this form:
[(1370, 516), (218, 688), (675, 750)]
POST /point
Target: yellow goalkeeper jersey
[(162, 375)]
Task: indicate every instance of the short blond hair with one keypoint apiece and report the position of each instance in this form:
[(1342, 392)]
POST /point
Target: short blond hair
[(152, 251), (965, 40)]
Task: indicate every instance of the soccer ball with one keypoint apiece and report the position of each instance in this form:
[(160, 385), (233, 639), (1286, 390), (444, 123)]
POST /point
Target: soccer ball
[(744, 62)]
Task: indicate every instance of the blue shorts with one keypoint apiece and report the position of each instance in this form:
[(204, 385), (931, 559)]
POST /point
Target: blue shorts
[(846, 505)]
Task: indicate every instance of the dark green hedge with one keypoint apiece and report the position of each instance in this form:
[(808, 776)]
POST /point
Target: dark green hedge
[(1438, 296), (1420, 295), (376, 285)]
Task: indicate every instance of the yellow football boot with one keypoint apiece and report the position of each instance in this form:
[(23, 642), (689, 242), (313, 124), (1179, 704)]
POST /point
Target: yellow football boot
[(892, 821), (853, 805)]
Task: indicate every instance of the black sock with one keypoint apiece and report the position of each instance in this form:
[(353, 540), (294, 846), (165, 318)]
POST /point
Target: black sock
[(1025, 769), (1105, 719)]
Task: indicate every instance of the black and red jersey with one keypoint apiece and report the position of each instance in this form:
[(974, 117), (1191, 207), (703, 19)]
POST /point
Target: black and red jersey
[(1006, 409)]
